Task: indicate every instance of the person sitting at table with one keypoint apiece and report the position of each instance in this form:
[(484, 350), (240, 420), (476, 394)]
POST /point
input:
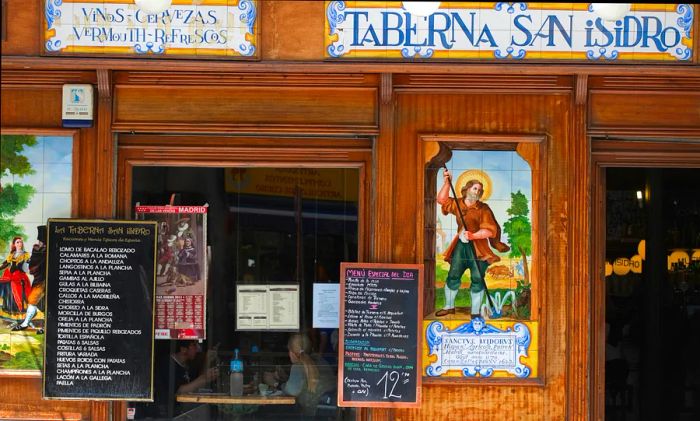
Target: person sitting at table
[(185, 379), (309, 378)]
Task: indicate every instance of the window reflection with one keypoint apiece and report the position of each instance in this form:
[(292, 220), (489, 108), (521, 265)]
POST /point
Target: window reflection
[(266, 226), (652, 307)]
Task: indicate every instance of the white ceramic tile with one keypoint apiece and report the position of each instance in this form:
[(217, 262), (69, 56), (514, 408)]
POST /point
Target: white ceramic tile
[(56, 205), (461, 40), (466, 160), (500, 187), (342, 45), (34, 153), (57, 178), (519, 163), (578, 41), (30, 231), (502, 39), (33, 212), (522, 180), (498, 160), (497, 20), (66, 13), (57, 149), (35, 180)]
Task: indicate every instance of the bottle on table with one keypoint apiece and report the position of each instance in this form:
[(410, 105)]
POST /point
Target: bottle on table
[(236, 376)]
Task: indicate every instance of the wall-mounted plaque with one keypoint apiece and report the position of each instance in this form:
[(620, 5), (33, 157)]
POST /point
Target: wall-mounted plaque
[(510, 31), (381, 314), (206, 28), (99, 315)]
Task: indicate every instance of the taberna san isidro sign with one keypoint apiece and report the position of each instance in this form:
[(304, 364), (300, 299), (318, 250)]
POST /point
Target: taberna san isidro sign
[(515, 31), (211, 28)]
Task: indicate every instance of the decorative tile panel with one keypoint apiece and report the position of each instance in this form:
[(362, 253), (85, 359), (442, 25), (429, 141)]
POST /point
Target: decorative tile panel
[(508, 31), (220, 28)]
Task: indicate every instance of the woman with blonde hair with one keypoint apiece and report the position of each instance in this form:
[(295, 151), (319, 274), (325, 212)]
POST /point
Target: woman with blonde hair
[(309, 378)]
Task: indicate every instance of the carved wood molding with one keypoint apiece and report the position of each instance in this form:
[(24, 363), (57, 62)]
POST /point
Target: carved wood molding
[(578, 306), (3, 25), (276, 155), (320, 129), (104, 146), (44, 78), (644, 133), (256, 79), (381, 225), (386, 89), (581, 89), (326, 67), (645, 83), (104, 84), (490, 83)]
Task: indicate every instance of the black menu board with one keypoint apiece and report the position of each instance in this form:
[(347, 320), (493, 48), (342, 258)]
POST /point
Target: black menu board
[(100, 281), (381, 314)]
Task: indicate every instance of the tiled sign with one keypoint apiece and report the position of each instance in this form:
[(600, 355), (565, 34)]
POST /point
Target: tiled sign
[(224, 28), (515, 31)]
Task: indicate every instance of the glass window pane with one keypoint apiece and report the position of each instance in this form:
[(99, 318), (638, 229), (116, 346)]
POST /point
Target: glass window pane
[(266, 226)]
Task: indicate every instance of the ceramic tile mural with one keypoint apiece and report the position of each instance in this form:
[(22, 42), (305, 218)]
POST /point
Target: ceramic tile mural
[(36, 178), (508, 31), (471, 334), (224, 28)]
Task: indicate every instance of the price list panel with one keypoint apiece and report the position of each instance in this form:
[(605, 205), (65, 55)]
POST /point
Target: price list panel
[(380, 326), (99, 309)]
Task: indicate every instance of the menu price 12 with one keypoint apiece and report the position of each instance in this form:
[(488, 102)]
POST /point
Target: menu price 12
[(380, 341)]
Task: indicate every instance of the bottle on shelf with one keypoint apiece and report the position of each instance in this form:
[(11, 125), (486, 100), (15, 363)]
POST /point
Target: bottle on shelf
[(236, 376)]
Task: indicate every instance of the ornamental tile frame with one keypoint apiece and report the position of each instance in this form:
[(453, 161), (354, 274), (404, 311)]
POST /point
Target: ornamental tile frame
[(501, 31), (226, 29)]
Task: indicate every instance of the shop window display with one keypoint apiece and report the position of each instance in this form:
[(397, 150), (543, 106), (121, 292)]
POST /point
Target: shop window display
[(273, 230)]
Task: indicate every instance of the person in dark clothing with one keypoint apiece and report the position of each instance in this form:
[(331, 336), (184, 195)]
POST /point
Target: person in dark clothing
[(173, 376)]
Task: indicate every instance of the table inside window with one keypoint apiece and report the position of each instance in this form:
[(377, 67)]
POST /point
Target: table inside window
[(220, 398)]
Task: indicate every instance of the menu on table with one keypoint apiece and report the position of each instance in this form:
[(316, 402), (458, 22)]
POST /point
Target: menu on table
[(381, 313), (99, 309)]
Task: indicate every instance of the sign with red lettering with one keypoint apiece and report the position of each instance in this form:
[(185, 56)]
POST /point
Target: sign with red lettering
[(181, 270)]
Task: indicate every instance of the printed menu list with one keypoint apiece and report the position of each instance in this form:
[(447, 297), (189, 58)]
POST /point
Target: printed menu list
[(100, 286), (379, 352)]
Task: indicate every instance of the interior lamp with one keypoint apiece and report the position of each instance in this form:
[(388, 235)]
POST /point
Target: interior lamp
[(421, 8), (153, 6), (611, 11)]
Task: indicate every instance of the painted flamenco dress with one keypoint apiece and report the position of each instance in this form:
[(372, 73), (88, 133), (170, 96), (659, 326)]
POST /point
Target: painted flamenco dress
[(14, 282)]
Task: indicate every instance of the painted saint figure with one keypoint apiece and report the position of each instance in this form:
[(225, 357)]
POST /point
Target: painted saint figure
[(14, 280), (471, 247)]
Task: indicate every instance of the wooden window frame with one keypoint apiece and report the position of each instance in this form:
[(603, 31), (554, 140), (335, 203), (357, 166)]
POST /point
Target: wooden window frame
[(432, 146), (247, 152)]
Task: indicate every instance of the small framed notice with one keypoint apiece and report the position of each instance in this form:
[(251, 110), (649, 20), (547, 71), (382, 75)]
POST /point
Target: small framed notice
[(267, 307), (326, 310)]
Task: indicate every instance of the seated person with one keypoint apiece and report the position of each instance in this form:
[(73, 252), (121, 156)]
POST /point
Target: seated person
[(184, 380), (309, 378)]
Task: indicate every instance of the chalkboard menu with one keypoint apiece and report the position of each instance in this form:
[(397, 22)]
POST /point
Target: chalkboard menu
[(381, 313), (99, 309)]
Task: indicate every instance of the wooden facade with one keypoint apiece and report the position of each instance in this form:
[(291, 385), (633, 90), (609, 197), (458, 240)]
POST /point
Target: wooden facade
[(293, 106)]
